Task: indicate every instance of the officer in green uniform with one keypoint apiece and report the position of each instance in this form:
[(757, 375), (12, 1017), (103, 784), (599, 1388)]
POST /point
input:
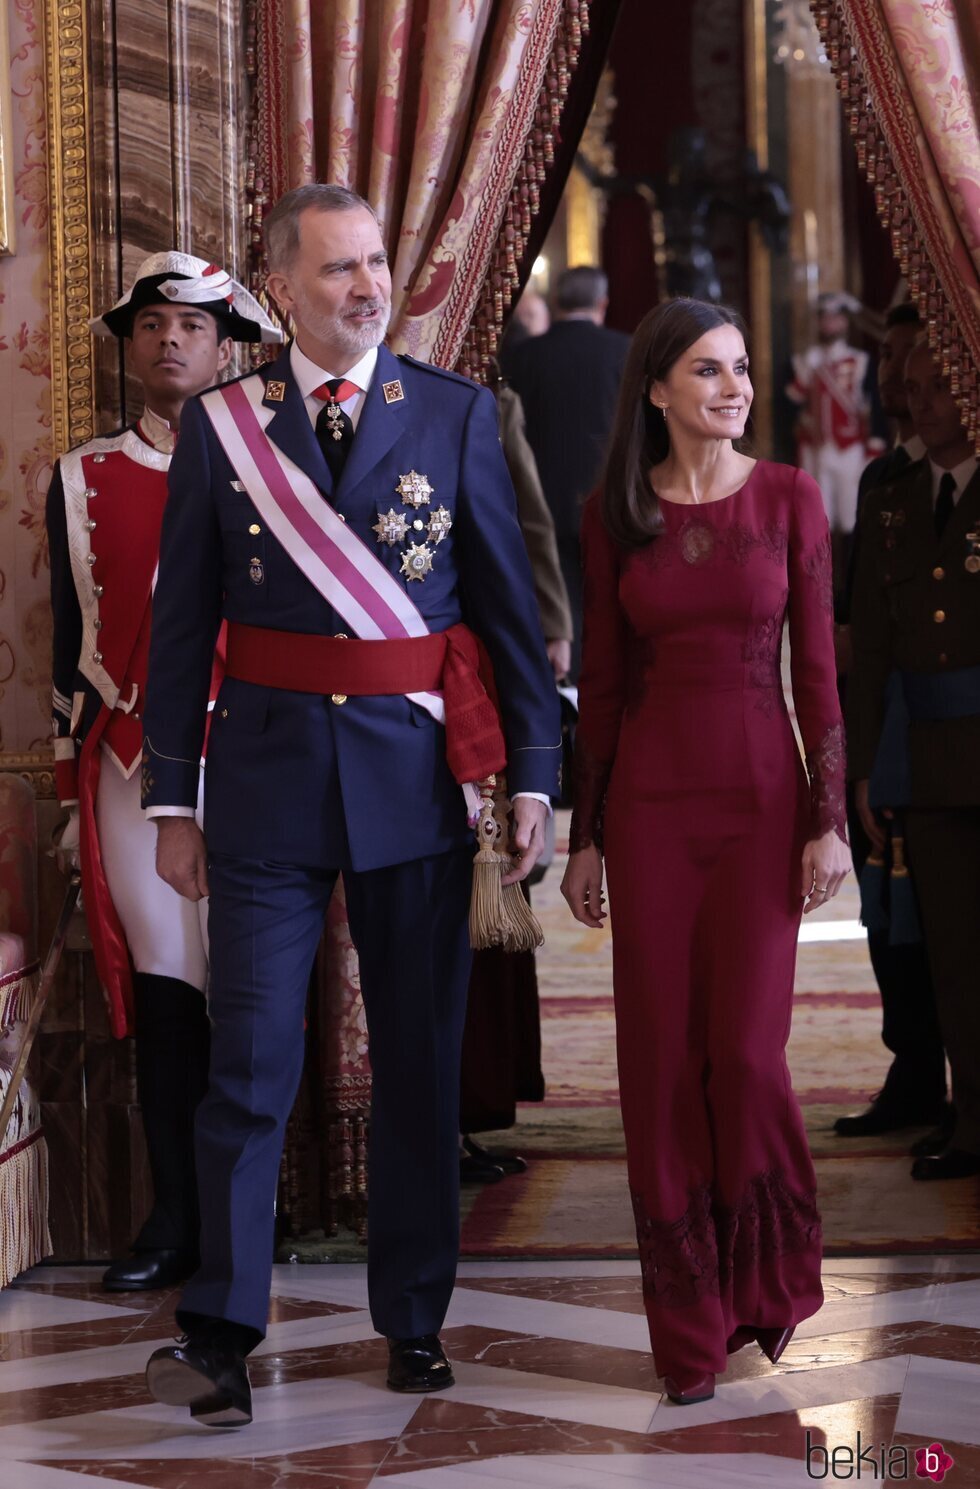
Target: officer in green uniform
[(916, 641)]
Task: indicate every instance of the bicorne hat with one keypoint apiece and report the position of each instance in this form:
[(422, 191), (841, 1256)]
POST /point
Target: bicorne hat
[(180, 279)]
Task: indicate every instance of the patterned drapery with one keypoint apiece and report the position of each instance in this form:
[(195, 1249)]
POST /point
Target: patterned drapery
[(904, 68), (443, 113)]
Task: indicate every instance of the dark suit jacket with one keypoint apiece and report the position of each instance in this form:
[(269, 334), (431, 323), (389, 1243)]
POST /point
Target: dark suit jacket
[(916, 606), (568, 381), (296, 777), (878, 472), (537, 523)]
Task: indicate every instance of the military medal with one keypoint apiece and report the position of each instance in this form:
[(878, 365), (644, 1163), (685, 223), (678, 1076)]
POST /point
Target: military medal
[(256, 571), (439, 524), (335, 419), (972, 562), (391, 527), (414, 489), (417, 562)]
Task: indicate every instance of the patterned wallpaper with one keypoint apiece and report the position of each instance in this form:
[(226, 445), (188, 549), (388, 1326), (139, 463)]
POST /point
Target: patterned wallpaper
[(25, 409)]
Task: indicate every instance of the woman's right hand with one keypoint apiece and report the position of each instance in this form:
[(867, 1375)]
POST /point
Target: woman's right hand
[(582, 886)]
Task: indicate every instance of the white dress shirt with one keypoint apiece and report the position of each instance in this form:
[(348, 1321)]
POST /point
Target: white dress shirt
[(309, 376), (962, 474)]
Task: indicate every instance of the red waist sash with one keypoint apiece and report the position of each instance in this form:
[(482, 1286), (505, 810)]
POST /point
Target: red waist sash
[(452, 662)]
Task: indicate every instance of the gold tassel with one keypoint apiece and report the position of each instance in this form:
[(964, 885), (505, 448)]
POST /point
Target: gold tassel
[(526, 934), (499, 915), (489, 922)]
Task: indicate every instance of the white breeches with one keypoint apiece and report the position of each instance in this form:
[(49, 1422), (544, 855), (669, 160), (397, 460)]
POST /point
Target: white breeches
[(167, 935), (837, 473)]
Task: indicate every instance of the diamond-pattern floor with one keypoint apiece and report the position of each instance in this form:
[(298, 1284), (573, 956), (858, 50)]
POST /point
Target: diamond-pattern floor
[(555, 1386)]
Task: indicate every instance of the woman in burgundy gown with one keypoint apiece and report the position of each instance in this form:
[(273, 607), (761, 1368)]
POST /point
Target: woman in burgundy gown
[(689, 784)]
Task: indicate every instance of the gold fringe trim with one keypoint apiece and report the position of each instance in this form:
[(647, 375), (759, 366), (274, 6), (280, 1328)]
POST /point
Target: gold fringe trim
[(875, 159), (499, 914), (503, 278), (17, 996), (24, 1235)]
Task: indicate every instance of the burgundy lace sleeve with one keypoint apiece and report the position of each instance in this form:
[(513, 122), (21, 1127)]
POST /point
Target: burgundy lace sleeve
[(602, 680), (812, 663)]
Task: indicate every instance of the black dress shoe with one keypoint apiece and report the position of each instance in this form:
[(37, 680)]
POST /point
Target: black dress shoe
[(510, 1163), (937, 1141), (879, 1118), (953, 1163), (143, 1271), (418, 1364), (207, 1373), (476, 1171)]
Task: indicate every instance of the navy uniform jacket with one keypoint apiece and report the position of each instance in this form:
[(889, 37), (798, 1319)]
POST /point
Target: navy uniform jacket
[(916, 607), (295, 777)]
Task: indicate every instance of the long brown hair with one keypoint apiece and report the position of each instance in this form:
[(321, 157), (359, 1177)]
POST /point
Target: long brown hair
[(639, 440)]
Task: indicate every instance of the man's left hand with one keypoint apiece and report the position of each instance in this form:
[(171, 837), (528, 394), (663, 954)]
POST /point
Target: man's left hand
[(527, 837)]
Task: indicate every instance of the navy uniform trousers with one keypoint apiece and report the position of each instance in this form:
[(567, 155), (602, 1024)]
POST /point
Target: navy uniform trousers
[(409, 923)]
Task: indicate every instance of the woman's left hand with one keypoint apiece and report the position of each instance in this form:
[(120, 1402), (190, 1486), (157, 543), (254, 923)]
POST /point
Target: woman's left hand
[(826, 863)]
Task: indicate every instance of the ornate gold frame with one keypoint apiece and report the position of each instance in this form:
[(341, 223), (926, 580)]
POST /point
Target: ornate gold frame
[(70, 233), (7, 237)]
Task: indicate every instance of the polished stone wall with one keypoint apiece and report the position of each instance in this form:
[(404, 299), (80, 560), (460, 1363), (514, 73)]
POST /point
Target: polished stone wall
[(167, 130)]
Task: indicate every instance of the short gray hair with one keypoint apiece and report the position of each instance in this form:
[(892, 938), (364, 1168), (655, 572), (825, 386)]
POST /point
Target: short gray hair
[(282, 223), (583, 288)]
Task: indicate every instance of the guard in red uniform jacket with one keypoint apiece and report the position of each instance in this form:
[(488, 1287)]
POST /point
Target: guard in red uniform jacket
[(104, 510)]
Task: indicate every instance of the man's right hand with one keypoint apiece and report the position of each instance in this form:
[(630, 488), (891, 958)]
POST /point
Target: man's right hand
[(875, 832), (182, 859)]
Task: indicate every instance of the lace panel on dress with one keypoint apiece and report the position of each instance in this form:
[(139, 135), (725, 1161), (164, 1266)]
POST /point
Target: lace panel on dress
[(819, 566), (826, 767), (590, 777), (697, 1255), (762, 653)]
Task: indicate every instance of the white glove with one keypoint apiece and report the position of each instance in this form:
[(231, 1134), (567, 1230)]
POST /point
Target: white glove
[(65, 846)]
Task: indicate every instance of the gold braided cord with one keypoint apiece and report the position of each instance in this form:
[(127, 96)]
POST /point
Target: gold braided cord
[(863, 61), (503, 275)]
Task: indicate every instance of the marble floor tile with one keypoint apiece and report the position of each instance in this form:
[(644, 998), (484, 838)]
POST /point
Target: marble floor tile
[(288, 1418), (47, 1476), (23, 1310), (941, 1400), (612, 1471), (555, 1386), (791, 1391), (129, 1359)]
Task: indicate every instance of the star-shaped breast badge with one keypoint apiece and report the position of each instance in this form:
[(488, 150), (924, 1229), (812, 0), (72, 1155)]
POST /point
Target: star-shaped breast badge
[(390, 527), (414, 489), (417, 562), (440, 523)]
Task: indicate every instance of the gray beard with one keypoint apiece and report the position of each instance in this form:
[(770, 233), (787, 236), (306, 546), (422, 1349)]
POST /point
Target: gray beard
[(343, 332)]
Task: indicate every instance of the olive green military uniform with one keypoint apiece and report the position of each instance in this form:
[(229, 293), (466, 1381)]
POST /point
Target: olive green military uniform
[(916, 607)]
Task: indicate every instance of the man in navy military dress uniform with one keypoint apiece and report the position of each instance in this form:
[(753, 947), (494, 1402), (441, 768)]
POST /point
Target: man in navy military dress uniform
[(350, 515)]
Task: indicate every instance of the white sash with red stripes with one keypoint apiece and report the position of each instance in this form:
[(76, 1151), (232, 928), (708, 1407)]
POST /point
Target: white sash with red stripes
[(349, 576)]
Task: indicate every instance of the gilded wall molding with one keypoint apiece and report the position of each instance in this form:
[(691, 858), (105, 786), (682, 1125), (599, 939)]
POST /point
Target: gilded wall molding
[(70, 256), (36, 767), (7, 233)]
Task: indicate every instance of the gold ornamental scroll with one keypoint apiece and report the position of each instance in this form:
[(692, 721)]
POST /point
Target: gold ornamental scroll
[(70, 240)]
